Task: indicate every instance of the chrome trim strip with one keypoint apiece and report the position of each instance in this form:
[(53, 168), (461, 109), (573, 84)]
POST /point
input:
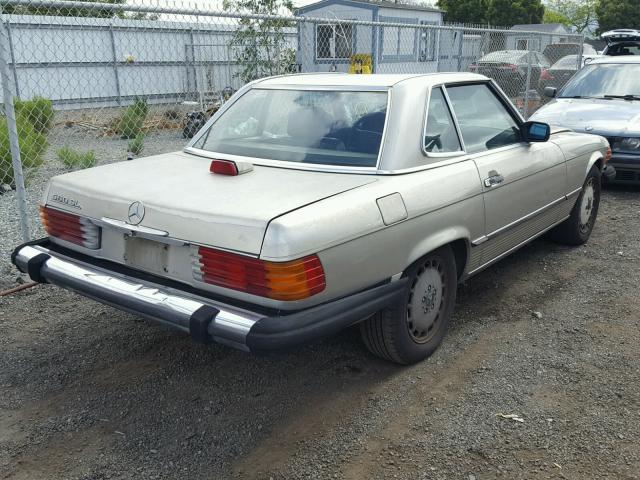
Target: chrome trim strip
[(457, 153), (479, 241), (574, 192), (325, 88), (281, 163), (155, 302), (525, 218), (512, 249), (455, 118), (127, 227)]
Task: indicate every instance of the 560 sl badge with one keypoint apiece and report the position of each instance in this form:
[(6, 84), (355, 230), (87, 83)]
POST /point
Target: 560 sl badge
[(69, 202)]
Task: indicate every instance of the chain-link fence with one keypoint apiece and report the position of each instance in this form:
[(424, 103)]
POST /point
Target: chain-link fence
[(91, 83)]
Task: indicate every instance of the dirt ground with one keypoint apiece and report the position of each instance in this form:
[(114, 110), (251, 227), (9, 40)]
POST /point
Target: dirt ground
[(550, 334)]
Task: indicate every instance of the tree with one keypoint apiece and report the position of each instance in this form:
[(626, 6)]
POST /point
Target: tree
[(580, 14), (259, 45), (507, 13), (551, 16), (464, 11), (618, 14), (64, 11)]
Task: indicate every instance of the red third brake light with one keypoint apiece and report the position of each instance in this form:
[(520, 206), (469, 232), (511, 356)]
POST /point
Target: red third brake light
[(291, 280), (223, 167), (230, 167)]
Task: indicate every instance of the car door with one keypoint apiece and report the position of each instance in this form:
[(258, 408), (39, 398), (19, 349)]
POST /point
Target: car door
[(522, 183)]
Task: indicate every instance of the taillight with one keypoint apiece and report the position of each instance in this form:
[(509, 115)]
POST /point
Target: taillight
[(229, 167), (70, 227), (292, 280), (545, 75)]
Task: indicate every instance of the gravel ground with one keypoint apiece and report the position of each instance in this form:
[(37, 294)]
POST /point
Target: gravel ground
[(549, 334), (107, 150)]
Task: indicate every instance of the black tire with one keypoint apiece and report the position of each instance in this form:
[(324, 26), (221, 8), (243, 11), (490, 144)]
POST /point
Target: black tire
[(577, 229), (397, 335)]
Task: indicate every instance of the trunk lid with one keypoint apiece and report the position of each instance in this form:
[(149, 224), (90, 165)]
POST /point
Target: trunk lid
[(181, 197)]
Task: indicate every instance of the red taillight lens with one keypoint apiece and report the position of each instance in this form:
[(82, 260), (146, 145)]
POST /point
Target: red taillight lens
[(223, 167), (293, 280), (70, 227), (545, 75)]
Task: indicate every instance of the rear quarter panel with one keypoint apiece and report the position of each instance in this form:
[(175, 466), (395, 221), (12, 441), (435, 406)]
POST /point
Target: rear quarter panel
[(358, 250)]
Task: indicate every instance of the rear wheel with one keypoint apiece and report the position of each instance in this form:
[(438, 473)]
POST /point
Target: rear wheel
[(412, 329), (577, 229)]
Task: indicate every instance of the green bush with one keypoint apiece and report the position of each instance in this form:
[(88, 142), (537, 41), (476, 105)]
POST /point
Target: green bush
[(74, 159), (32, 146), (137, 144), (130, 124), (38, 111)]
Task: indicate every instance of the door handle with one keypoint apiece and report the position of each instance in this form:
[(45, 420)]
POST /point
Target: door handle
[(493, 179)]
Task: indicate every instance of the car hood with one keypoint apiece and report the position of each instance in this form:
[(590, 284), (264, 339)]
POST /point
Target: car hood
[(604, 117), (182, 198)]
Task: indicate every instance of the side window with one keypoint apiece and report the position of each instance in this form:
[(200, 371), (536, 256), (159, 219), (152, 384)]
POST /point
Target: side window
[(440, 134), (485, 123)]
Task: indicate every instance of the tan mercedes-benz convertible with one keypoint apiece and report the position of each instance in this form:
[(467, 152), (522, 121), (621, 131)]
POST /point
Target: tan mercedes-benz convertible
[(310, 203)]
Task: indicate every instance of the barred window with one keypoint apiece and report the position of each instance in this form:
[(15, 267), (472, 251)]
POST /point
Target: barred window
[(334, 41)]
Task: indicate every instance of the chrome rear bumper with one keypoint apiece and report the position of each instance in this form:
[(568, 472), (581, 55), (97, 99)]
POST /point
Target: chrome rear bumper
[(206, 320), (225, 324)]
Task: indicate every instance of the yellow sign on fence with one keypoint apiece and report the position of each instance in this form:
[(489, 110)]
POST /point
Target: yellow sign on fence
[(360, 63)]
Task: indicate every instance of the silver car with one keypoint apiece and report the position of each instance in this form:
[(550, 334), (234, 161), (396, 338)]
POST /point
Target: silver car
[(310, 203)]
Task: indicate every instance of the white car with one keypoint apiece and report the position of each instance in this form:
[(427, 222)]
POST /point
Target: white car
[(310, 203)]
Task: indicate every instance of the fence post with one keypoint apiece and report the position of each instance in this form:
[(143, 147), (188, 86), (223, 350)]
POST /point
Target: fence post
[(527, 85), (115, 63), (12, 128)]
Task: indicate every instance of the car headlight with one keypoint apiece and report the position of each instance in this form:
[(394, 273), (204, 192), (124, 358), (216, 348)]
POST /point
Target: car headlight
[(626, 144)]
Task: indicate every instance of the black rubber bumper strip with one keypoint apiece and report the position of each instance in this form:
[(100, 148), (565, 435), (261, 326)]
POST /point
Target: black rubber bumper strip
[(35, 264), (39, 241), (283, 332), (199, 323)]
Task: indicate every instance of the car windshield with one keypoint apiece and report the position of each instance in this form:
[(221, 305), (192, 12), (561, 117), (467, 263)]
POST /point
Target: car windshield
[(603, 80), (306, 126)]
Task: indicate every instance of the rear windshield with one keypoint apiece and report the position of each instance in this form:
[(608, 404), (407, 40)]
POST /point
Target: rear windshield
[(504, 56), (568, 62), (320, 127), (624, 48)]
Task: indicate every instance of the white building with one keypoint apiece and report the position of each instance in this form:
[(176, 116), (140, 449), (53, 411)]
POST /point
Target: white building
[(329, 46)]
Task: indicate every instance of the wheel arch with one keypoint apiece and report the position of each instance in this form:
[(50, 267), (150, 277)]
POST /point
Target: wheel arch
[(457, 238), (596, 159)]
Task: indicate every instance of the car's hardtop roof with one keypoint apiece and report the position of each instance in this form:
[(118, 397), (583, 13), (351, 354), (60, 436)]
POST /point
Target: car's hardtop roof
[(633, 59), (376, 80)]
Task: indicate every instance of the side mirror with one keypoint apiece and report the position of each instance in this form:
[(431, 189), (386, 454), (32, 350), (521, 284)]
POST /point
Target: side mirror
[(535, 132), (550, 92)]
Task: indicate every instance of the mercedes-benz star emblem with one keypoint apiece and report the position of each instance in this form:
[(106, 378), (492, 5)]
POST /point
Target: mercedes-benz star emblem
[(136, 213)]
